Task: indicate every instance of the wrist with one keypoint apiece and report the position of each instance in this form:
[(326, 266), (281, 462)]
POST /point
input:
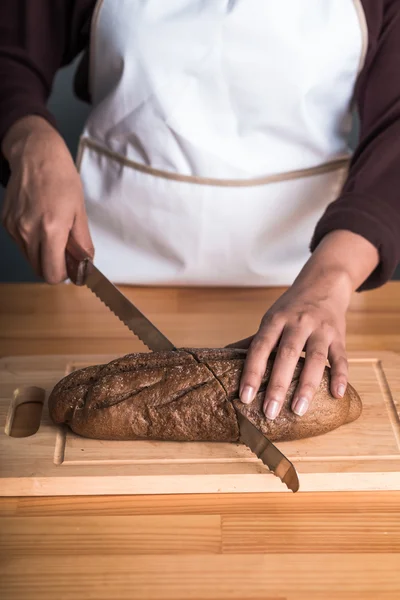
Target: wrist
[(20, 136), (330, 282), (342, 256)]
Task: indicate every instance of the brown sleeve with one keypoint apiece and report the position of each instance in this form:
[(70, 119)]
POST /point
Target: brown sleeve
[(369, 204), (37, 37)]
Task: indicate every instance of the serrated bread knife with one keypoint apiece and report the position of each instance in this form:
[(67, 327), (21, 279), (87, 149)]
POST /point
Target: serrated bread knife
[(82, 271)]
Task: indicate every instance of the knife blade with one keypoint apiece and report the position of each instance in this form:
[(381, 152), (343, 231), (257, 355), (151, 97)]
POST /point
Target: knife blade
[(265, 450), (82, 271)]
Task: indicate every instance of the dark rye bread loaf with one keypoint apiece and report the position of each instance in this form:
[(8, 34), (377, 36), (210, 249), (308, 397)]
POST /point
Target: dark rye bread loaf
[(185, 395)]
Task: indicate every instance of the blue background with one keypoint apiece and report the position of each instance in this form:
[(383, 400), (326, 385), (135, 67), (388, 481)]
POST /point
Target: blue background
[(71, 115)]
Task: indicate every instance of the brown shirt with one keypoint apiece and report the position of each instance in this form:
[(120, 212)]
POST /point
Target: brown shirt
[(37, 37)]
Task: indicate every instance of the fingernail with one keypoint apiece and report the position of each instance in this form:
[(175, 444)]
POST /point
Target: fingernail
[(341, 390), (247, 395), (300, 407), (272, 410)]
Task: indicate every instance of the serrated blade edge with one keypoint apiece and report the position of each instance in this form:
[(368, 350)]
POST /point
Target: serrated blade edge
[(126, 312), (266, 451)]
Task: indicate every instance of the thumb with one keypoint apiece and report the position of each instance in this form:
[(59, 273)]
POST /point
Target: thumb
[(81, 234), (241, 344), (245, 344)]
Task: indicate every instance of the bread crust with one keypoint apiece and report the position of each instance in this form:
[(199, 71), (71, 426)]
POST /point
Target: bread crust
[(186, 395)]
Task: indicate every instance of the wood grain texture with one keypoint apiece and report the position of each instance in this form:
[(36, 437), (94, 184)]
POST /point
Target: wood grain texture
[(275, 505), (203, 577), (141, 535), (297, 564), (323, 533), (39, 319)]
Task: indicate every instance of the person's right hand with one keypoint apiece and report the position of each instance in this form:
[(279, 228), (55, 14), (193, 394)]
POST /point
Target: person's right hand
[(44, 202)]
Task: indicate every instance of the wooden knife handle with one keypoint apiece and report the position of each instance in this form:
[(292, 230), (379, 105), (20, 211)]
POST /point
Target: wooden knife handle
[(77, 261)]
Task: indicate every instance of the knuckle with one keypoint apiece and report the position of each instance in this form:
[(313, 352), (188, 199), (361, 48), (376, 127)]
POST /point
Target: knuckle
[(288, 351), (50, 224), (252, 373), (308, 388), (342, 361), (258, 339), (328, 328), (277, 390), (340, 376), (255, 349), (90, 250), (317, 355), (266, 320), (24, 226), (303, 319), (259, 346), (340, 364), (327, 324), (275, 320), (340, 371)]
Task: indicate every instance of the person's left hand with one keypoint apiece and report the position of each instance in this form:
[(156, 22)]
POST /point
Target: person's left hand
[(309, 316)]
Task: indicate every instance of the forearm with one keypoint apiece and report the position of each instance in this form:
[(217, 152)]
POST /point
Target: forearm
[(343, 260), (24, 131), (369, 201), (36, 39)]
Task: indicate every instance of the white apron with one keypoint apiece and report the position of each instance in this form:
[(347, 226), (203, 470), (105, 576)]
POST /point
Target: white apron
[(218, 135)]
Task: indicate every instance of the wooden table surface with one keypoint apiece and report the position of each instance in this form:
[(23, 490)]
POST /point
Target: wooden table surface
[(257, 546)]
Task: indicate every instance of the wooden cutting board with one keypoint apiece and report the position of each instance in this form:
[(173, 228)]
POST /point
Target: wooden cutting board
[(364, 455)]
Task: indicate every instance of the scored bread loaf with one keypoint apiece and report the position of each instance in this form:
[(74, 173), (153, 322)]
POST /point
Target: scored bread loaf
[(186, 395)]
